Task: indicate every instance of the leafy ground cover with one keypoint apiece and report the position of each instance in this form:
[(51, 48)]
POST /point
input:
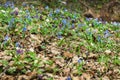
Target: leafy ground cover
[(56, 44)]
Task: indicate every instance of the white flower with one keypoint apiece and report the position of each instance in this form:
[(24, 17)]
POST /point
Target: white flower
[(63, 2), (3, 11), (47, 20)]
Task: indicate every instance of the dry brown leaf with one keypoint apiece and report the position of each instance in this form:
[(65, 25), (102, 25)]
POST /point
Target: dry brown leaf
[(22, 56), (101, 68), (83, 49), (6, 77), (66, 71), (36, 38), (31, 49), (49, 75), (11, 63), (2, 54), (107, 51), (84, 55), (85, 76), (31, 73), (7, 57), (82, 78), (92, 55), (74, 71), (75, 78), (53, 66), (62, 78), (58, 62), (75, 59), (54, 50), (105, 78), (23, 77), (68, 54), (90, 72)]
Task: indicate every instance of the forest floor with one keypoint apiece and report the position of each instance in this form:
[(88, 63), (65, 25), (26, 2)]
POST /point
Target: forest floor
[(56, 44)]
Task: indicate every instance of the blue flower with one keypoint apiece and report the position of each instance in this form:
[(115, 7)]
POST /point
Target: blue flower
[(73, 26), (64, 21), (55, 18), (16, 13), (36, 16), (104, 22), (96, 19), (24, 29), (47, 7), (80, 25), (19, 51), (40, 25), (65, 10), (31, 6), (74, 16), (17, 44), (106, 34), (89, 33), (28, 16), (6, 38), (11, 22), (99, 38), (40, 77), (59, 35), (6, 5), (79, 61), (12, 5), (88, 19), (27, 11), (60, 25), (57, 10), (24, 4), (115, 23), (50, 14), (9, 4), (69, 78)]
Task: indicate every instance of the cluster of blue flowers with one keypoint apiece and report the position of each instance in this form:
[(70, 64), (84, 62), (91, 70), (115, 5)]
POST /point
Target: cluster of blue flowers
[(59, 35), (47, 7), (6, 38), (24, 4), (106, 34), (68, 78), (18, 48), (17, 44), (57, 10), (64, 21), (28, 16), (9, 4), (11, 23), (115, 23)]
